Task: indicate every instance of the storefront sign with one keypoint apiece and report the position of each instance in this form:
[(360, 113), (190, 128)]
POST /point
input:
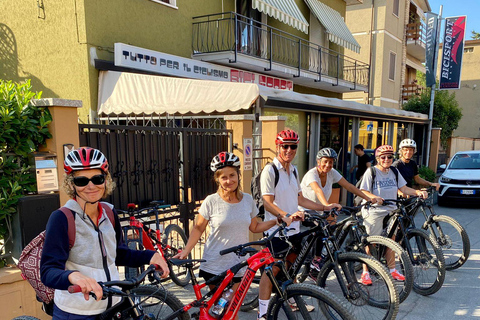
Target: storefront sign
[(431, 43), (163, 63), (247, 154), (453, 42)]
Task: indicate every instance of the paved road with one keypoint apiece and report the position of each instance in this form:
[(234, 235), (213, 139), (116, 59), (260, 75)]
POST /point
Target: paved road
[(459, 298)]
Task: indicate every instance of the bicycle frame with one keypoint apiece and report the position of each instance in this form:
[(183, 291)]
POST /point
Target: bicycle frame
[(400, 215), (253, 263)]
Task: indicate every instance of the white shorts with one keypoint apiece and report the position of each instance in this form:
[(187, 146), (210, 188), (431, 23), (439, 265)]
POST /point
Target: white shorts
[(373, 221)]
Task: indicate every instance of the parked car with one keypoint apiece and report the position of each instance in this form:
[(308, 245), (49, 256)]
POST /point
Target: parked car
[(461, 179)]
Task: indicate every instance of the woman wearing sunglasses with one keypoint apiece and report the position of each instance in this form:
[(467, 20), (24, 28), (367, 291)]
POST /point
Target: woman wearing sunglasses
[(385, 186), (98, 246)]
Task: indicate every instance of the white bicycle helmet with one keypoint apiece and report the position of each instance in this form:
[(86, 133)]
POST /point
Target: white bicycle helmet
[(85, 158), (327, 153), (408, 143), (224, 159)]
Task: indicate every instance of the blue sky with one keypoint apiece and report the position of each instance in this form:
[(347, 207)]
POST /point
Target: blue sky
[(452, 8)]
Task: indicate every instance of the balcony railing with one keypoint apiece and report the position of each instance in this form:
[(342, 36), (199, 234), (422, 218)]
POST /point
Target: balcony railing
[(231, 32), (411, 90), (416, 32)]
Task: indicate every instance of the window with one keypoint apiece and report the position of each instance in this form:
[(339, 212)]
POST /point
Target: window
[(396, 7), (170, 3), (391, 70), (468, 50)]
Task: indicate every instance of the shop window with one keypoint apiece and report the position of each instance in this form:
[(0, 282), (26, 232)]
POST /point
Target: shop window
[(468, 50), (170, 3), (393, 61), (396, 7)]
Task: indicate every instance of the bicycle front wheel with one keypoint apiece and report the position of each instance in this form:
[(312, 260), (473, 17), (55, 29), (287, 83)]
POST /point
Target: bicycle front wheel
[(376, 301), (378, 247), (174, 240), (428, 262), (452, 238), (306, 301), (157, 302)]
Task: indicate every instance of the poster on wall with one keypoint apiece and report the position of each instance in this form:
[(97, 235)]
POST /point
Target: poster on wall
[(453, 43)]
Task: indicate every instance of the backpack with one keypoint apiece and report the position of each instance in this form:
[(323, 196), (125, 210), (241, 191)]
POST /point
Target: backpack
[(358, 200), (257, 191), (29, 261)]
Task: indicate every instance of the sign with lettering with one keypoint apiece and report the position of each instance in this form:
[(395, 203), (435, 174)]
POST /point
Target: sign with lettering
[(431, 44), (247, 154), (163, 63), (453, 43)]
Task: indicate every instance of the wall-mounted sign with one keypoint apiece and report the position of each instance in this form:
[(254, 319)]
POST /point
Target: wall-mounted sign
[(247, 154), (163, 63)]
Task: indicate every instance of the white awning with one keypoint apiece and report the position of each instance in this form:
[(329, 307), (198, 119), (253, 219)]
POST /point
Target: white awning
[(333, 22), (132, 93), (286, 11), (311, 102)]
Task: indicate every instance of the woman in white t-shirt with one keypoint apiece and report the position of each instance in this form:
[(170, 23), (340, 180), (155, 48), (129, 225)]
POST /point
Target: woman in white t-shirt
[(231, 214), (317, 186)]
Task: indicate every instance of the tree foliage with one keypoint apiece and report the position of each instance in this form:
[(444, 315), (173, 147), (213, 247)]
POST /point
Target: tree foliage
[(23, 129), (446, 112), (475, 35)]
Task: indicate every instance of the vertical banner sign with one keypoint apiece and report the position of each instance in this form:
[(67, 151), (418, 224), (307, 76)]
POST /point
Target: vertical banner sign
[(247, 154), (431, 41), (453, 42)]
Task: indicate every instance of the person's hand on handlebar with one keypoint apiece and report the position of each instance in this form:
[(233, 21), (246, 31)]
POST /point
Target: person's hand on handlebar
[(297, 216), (157, 259), (376, 200), (86, 284), (332, 206), (422, 194)]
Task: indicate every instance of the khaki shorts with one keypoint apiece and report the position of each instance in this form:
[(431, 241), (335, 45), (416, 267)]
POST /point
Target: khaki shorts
[(373, 221)]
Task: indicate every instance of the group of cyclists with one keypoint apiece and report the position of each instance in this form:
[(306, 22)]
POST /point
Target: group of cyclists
[(229, 212)]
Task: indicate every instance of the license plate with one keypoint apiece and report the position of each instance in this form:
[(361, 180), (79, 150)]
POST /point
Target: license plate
[(467, 191)]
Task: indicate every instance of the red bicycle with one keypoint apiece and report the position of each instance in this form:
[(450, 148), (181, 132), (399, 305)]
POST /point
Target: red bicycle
[(139, 236), (290, 301)]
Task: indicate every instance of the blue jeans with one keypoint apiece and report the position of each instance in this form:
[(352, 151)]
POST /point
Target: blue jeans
[(62, 315)]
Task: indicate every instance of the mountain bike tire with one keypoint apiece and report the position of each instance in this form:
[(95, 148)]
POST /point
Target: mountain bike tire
[(428, 262), (326, 305), (378, 301), (452, 238), (175, 237)]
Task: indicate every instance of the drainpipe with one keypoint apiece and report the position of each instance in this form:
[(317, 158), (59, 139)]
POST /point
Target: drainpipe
[(370, 82)]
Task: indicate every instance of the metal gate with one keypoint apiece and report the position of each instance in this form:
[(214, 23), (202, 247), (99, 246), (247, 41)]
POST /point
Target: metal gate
[(158, 163)]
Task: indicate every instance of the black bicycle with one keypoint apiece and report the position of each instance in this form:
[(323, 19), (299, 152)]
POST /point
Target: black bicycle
[(450, 235), (341, 276), (351, 236), (424, 252)]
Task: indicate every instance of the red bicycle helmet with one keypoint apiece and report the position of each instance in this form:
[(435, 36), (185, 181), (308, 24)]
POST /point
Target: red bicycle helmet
[(287, 136), (85, 158), (385, 149), (224, 159)]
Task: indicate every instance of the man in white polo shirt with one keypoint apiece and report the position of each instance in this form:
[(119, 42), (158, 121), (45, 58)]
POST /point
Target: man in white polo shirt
[(281, 201)]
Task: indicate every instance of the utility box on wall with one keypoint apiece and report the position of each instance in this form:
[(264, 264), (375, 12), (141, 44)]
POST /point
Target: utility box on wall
[(45, 166), (31, 218)]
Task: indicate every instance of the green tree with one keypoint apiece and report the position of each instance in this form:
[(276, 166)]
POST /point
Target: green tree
[(23, 128), (446, 112), (475, 35)]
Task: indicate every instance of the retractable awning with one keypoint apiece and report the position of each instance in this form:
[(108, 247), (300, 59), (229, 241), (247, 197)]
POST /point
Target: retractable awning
[(286, 11), (333, 22), (312, 103), (140, 94)]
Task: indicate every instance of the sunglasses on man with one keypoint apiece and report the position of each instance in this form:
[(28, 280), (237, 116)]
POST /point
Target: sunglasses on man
[(291, 146), (82, 181)]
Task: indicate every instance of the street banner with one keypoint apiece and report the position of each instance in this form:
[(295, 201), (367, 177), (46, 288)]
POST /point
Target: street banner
[(453, 43), (430, 53)]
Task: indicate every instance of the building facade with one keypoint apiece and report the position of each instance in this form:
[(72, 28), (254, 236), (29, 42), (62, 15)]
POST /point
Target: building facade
[(300, 54)]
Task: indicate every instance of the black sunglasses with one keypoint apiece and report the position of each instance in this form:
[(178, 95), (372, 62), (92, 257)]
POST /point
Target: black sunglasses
[(83, 181), (386, 157), (291, 146)]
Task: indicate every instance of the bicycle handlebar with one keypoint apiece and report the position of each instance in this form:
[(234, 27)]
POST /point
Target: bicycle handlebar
[(263, 241)]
